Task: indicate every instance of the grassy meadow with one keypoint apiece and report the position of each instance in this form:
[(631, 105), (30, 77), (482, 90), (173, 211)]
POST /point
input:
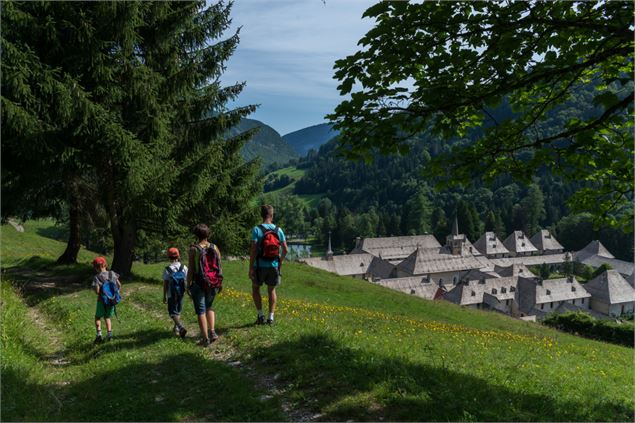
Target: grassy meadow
[(341, 349)]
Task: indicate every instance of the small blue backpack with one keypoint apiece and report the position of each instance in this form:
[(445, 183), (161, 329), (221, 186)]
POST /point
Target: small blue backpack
[(109, 293), (177, 281)]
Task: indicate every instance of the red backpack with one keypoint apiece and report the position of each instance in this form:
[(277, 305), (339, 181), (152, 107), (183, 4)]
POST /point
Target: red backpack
[(269, 244), (209, 273)]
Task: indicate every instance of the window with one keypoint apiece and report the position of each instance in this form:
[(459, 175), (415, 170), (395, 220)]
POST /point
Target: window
[(512, 288), (542, 306), (550, 305), (507, 302), (440, 280), (412, 291), (574, 301), (503, 290), (548, 292), (494, 291), (454, 279), (473, 294), (573, 288), (582, 300)]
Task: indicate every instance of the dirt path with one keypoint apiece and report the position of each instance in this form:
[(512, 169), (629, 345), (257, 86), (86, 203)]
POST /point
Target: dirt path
[(224, 351)]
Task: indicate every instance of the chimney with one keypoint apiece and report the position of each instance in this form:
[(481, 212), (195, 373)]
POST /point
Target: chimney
[(358, 242)]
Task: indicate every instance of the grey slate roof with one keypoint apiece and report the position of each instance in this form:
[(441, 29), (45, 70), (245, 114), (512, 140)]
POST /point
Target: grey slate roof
[(544, 241), (518, 242), (610, 287), (353, 264), (489, 244), (514, 270), (471, 292), (437, 260), (624, 267), (478, 274), (395, 247), (415, 285), (529, 260), (532, 291), (594, 248), (631, 279)]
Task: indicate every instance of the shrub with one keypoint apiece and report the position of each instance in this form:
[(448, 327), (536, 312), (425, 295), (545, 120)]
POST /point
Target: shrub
[(586, 325)]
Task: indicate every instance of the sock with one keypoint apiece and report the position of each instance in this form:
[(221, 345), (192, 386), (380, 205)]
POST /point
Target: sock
[(99, 332), (109, 333), (260, 313), (271, 316)]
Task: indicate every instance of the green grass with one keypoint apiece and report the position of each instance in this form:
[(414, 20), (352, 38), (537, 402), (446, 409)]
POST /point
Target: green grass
[(310, 200), (341, 349)]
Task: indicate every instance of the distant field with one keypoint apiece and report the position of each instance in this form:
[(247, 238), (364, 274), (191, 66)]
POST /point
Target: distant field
[(341, 349), (294, 173)]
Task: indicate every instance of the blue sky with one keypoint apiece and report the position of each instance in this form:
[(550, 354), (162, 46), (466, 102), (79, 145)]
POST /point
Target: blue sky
[(286, 54)]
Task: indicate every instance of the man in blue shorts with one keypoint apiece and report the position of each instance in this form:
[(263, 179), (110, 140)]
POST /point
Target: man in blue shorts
[(268, 250)]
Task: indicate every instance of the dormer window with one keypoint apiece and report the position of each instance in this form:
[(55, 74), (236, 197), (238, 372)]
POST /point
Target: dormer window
[(473, 294), (361, 265), (412, 291), (548, 292), (494, 291), (512, 288), (522, 244), (503, 290), (573, 289)]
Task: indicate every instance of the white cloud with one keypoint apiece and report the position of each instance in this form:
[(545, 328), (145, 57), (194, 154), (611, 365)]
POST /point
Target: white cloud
[(286, 54)]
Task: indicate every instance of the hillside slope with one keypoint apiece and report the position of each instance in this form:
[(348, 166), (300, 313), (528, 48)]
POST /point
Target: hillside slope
[(310, 138), (266, 144), (340, 349)]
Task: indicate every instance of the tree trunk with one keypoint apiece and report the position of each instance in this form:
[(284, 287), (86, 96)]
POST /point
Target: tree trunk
[(124, 237), (74, 240)]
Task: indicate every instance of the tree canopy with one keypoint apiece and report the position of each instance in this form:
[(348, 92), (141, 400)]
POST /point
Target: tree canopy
[(124, 98), (447, 67)]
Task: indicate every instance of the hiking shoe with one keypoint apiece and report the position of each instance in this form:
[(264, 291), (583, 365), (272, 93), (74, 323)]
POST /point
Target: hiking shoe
[(98, 339), (182, 332), (176, 331), (269, 322), (213, 336), (260, 320), (203, 342), (109, 337)]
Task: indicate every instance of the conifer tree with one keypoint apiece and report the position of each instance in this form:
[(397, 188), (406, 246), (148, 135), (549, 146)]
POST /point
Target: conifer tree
[(151, 128)]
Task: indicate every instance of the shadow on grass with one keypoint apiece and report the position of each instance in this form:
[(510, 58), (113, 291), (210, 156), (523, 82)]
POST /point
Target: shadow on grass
[(55, 232), (38, 278), (343, 384), (185, 386)]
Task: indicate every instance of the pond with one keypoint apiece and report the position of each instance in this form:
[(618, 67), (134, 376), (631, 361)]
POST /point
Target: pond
[(299, 251)]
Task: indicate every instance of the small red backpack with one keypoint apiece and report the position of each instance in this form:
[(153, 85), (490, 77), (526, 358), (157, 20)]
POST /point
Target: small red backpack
[(270, 243)]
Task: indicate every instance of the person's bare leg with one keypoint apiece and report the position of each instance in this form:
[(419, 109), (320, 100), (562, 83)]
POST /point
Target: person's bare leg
[(211, 319), (202, 324), (108, 325), (255, 294), (273, 298)]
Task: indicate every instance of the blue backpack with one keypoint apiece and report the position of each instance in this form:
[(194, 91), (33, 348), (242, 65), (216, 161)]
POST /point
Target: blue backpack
[(109, 293), (177, 281)]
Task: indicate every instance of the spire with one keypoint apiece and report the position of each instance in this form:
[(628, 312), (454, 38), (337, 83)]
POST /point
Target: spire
[(329, 251), (455, 227)]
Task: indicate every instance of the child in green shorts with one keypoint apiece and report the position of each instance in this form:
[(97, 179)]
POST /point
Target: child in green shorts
[(102, 310)]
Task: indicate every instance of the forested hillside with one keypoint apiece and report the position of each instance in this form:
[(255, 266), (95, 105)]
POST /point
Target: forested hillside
[(267, 144), (310, 138), (397, 195)]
